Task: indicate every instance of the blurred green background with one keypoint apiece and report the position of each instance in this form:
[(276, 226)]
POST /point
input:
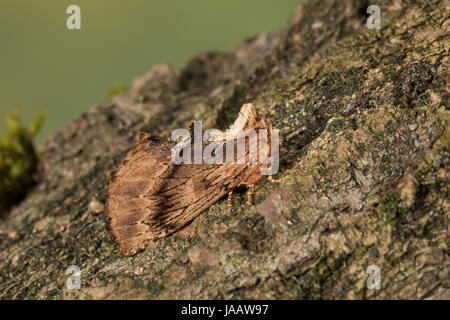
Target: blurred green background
[(45, 66)]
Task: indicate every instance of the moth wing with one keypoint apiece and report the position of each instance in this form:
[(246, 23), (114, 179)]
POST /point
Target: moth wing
[(132, 196), (193, 188), (149, 197)]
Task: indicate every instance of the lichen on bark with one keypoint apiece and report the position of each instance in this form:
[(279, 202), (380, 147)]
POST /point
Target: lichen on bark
[(364, 117)]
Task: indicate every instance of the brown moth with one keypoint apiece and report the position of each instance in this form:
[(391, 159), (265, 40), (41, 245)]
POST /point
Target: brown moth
[(150, 196)]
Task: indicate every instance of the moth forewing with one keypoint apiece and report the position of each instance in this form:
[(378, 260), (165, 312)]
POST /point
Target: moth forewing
[(247, 147)]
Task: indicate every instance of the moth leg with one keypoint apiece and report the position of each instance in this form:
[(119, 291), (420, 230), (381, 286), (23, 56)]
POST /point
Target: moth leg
[(272, 179), (250, 194), (230, 201)]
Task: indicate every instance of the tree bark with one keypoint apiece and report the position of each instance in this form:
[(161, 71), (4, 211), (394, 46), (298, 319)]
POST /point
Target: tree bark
[(365, 182)]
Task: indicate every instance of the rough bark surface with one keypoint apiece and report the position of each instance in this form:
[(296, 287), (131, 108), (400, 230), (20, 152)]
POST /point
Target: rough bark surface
[(365, 181)]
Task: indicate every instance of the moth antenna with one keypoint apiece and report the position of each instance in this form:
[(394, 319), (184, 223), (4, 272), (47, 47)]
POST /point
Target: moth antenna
[(250, 194), (230, 201)]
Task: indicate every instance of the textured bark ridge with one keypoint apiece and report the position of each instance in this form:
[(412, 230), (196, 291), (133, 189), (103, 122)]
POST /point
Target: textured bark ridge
[(364, 119)]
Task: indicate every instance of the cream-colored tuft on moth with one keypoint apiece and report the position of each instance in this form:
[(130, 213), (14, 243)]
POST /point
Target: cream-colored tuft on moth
[(246, 114)]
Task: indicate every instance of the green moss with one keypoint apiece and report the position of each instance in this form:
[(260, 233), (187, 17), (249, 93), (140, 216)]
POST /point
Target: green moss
[(117, 89), (440, 146), (390, 206), (18, 159), (320, 278)]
